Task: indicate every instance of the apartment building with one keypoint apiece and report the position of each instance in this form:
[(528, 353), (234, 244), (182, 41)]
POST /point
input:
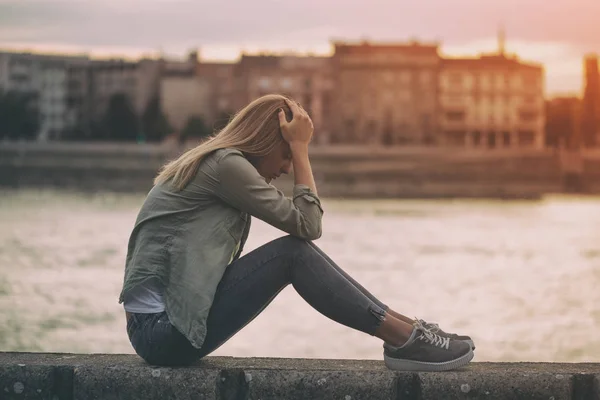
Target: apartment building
[(45, 79), (385, 93), (306, 79), (492, 101)]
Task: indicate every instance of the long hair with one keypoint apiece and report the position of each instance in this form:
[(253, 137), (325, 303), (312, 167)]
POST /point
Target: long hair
[(254, 131)]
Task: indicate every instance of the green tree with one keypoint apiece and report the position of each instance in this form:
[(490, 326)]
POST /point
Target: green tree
[(155, 125), (18, 118), (195, 128), (120, 121)]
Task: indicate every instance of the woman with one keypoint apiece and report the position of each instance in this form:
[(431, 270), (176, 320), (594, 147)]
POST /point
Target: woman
[(187, 291)]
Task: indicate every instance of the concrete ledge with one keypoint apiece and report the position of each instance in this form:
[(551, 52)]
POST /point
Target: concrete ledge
[(101, 376)]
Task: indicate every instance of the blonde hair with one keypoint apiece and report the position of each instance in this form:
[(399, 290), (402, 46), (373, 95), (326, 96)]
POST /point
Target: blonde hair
[(254, 131)]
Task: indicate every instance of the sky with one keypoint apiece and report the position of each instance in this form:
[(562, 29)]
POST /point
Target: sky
[(556, 33)]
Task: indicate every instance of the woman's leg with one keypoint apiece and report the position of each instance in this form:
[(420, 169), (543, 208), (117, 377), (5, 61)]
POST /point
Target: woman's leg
[(362, 289), (252, 282)]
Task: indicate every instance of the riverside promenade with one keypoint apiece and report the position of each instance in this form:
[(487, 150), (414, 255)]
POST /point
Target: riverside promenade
[(340, 171), (124, 377)]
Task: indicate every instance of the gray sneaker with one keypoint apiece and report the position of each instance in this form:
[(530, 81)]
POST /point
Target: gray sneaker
[(427, 352), (435, 328)]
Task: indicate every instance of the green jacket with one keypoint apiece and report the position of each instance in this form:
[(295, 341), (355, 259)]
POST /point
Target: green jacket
[(187, 238)]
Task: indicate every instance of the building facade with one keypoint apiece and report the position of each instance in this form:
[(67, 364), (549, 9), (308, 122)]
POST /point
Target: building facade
[(71, 93), (305, 79), (590, 118), (108, 78), (381, 94), (45, 79), (184, 97), (220, 80), (491, 102), (184, 92), (563, 122), (385, 94)]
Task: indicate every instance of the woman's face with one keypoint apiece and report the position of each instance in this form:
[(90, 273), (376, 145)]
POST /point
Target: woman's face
[(277, 162)]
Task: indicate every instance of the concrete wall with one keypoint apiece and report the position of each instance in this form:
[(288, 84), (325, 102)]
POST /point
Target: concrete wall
[(123, 377), (339, 171)]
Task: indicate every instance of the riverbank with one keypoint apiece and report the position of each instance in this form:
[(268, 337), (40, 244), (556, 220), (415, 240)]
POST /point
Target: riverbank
[(341, 172), (107, 376)]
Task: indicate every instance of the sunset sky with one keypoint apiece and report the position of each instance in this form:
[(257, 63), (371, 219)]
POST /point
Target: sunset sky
[(556, 33)]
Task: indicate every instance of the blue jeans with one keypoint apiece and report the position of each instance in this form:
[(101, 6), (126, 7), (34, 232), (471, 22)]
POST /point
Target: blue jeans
[(247, 287)]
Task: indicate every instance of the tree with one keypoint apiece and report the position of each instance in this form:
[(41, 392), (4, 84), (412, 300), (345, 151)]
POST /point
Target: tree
[(195, 128), (120, 121), (18, 118), (222, 120), (155, 125)]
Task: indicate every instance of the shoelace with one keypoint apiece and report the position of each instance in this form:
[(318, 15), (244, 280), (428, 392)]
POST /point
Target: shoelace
[(428, 336), (432, 326)]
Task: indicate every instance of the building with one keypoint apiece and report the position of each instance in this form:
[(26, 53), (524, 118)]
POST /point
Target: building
[(382, 94), (79, 102), (184, 94), (385, 94), (91, 85), (563, 122), (590, 118), (108, 78), (183, 97), (220, 79), (306, 79), (46, 79), (491, 101)]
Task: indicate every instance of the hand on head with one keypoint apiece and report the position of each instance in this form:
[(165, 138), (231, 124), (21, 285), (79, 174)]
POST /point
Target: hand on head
[(300, 128)]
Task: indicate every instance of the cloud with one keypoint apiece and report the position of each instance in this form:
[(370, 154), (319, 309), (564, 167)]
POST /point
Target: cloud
[(153, 22)]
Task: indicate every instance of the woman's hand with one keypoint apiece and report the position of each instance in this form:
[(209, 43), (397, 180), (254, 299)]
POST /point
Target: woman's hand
[(300, 129)]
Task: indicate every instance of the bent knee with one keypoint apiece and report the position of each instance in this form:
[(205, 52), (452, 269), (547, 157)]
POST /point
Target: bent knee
[(294, 240), (295, 243)]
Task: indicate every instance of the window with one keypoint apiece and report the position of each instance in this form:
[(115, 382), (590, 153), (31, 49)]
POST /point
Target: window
[(349, 126), (527, 116), (371, 127), (388, 132), (223, 104), (476, 137), (307, 104), (455, 116), (526, 138), (456, 138), (426, 123), (455, 79), (491, 139), (405, 77), (388, 77), (264, 83), (286, 83), (506, 139), (530, 82)]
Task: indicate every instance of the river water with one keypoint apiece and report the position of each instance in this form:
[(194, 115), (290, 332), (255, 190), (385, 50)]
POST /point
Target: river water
[(523, 278)]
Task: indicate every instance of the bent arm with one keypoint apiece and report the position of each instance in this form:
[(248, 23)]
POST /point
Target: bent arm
[(241, 186), (303, 174)]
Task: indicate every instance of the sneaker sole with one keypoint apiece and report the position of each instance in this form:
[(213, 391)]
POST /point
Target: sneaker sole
[(398, 364)]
